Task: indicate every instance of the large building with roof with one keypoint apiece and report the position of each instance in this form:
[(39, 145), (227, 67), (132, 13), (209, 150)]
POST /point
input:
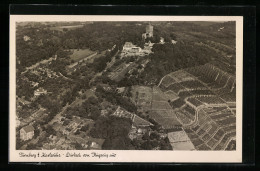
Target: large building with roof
[(27, 132), (130, 47)]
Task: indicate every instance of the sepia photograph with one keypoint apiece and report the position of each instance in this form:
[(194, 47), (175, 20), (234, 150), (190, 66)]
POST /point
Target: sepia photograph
[(126, 84)]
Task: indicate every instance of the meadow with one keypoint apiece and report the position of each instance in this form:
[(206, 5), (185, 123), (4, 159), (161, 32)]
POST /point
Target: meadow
[(80, 54)]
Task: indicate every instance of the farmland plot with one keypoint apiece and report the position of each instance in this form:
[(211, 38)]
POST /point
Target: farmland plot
[(216, 127), (192, 84), (166, 118), (168, 80), (176, 87), (181, 76), (180, 141), (77, 55), (141, 95), (171, 95), (161, 105)]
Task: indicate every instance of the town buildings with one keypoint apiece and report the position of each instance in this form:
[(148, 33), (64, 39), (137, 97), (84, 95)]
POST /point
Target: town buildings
[(129, 49)]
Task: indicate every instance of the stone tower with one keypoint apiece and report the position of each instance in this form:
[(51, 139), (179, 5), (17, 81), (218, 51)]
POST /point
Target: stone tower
[(149, 30)]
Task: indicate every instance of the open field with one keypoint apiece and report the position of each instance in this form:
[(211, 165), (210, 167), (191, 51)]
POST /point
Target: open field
[(77, 55), (91, 59), (155, 102), (180, 141), (166, 118), (141, 95), (181, 75), (168, 80)]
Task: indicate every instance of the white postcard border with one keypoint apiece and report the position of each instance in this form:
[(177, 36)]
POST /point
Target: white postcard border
[(126, 155)]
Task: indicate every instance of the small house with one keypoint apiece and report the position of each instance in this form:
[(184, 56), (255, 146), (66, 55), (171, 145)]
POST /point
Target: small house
[(18, 122), (27, 132), (174, 42), (161, 40), (95, 145), (26, 38), (39, 92), (128, 46)]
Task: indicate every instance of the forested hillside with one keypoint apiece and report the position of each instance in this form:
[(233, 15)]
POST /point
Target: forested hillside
[(193, 39)]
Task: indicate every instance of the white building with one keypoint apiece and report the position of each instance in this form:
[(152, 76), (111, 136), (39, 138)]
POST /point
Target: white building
[(129, 47), (27, 132), (26, 38), (39, 91), (161, 40), (18, 122), (174, 42)]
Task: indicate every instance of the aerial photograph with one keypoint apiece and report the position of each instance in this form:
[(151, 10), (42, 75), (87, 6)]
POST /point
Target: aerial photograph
[(126, 85)]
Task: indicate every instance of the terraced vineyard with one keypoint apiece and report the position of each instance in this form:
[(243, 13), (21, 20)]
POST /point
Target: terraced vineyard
[(214, 130), (155, 102), (201, 100), (205, 104)]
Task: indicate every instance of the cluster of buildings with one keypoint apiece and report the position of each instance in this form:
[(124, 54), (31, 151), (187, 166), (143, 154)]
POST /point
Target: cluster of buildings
[(43, 62), (40, 91), (139, 125), (129, 49), (61, 142)]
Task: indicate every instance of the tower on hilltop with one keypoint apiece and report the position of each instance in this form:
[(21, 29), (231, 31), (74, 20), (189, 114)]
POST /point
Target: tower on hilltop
[(149, 30)]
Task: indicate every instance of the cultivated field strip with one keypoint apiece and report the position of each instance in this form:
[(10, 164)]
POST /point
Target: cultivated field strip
[(203, 103)]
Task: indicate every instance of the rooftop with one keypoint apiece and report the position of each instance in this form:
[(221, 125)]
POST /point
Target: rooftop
[(137, 121), (28, 128)]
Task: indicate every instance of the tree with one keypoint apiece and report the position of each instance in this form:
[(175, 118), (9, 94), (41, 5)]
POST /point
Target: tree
[(36, 132), (84, 128), (95, 112), (66, 122), (78, 146), (77, 132), (49, 130), (154, 136), (31, 147), (146, 136), (92, 100), (135, 72), (147, 145)]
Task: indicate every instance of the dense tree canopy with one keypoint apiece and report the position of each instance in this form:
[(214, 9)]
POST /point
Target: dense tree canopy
[(115, 132)]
